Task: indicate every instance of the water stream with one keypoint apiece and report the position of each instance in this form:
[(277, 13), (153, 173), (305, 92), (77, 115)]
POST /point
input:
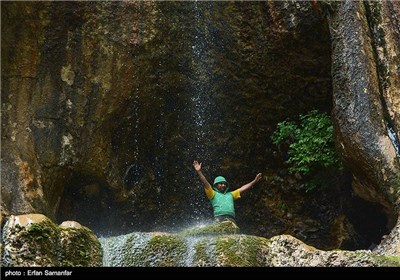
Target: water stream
[(395, 140), (149, 249), (201, 79), (200, 91)]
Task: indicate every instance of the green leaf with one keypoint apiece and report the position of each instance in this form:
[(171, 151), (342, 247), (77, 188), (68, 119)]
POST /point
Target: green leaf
[(311, 145)]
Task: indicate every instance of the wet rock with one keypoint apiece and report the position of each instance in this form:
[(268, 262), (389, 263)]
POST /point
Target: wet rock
[(221, 228), (165, 249), (79, 246), (364, 111), (34, 240)]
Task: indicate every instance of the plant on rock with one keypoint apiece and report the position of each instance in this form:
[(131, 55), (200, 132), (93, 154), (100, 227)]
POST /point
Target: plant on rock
[(311, 148)]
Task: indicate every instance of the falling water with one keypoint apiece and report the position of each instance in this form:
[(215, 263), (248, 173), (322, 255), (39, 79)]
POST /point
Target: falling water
[(194, 246), (118, 250), (113, 250), (201, 80), (395, 140), (190, 244), (201, 91), (140, 249), (132, 171)]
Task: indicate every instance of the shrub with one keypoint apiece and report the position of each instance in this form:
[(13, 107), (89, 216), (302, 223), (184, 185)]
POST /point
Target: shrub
[(311, 148)]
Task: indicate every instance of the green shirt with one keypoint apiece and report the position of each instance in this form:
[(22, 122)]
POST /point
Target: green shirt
[(223, 202)]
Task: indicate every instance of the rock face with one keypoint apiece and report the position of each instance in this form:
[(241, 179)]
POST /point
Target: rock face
[(163, 249), (366, 112), (106, 104), (109, 114), (34, 240), (289, 251)]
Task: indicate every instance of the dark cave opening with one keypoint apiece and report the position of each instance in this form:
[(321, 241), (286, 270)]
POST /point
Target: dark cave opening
[(369, 220), (93, 203), (88, 202)]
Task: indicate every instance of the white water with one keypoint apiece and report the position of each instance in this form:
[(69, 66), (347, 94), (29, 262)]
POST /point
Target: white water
[(118, 250), (200, 94), (395, 140), (136, 250), (200, 85)]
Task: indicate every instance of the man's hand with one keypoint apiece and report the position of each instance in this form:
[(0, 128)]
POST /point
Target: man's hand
[(252, 183), (258, 177), (196, 165)]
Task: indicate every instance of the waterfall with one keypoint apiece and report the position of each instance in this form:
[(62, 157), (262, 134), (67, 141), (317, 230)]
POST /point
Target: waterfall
[(118, 250), (149, 249), (133, 170), (201, 91), (193, 246), (201, 79)]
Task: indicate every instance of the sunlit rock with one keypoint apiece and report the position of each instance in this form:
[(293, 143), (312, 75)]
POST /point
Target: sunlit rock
[(390, 244), (285, 250)]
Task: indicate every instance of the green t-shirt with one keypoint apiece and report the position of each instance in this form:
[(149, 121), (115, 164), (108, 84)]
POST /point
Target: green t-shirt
[(223, 202)]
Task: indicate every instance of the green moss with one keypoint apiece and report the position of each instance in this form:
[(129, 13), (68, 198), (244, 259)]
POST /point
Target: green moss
[(165, 250), (204, 252), (378, 260), (80, 247), (390, 260), (132, 251), (154, 250), (239, 250), (222, 228), (35, 239), (39, 231)]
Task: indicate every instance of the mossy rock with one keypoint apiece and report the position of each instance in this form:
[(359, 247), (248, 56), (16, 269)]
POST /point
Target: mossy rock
[(160, 250), (370, 259), (165, 250), (231, 250), (31, 240), (34, 240), (79, 246), (221, 228)]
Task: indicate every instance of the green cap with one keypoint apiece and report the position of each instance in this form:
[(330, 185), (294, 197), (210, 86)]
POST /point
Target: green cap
[(219, 179)]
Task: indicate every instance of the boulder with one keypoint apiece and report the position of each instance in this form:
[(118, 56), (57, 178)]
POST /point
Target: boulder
[(34, 240)]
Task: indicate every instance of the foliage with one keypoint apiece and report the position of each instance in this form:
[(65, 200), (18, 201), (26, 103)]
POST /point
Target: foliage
[(310, 143)]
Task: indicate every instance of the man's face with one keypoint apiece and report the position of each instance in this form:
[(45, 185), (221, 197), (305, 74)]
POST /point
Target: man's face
[(221, 186)]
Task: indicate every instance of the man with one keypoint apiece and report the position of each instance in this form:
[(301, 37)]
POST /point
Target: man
[(221, 198)]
